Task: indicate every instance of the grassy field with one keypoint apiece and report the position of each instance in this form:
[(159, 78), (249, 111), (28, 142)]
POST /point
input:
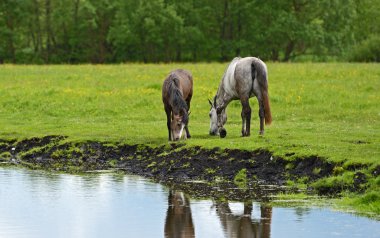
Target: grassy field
[(329, 110)]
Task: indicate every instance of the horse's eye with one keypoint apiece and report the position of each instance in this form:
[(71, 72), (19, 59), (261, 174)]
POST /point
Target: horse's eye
[(209, 115)]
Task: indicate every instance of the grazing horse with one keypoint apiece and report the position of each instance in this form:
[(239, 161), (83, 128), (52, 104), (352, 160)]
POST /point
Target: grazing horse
[(243, 78), (177, 91)]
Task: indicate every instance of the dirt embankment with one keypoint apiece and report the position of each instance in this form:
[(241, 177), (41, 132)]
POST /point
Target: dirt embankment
[(234, 174)]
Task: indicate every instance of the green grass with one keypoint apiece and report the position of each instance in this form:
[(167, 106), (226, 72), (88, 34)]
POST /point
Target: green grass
[(331, 110), (326, 109)]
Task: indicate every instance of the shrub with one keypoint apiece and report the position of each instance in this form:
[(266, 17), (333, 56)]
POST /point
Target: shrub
[(367, 51)]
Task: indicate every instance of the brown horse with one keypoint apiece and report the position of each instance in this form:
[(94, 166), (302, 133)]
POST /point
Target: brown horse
[(177, 91)]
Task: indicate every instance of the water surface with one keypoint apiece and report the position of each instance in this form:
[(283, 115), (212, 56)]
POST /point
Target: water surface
[(41, 204)]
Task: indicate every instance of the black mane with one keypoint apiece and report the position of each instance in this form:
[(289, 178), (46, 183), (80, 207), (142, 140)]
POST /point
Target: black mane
[(176, 98)]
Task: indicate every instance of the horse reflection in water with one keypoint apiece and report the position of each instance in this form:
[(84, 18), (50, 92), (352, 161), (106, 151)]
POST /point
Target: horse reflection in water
[(242, 226), (179, 222)]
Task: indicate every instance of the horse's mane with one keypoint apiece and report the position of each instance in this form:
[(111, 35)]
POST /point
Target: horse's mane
[(221, 89), (175, 96)]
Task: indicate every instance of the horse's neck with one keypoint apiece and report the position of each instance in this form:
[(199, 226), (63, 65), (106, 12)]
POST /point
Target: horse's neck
[(223, 97), (227, 90), (220, 95)]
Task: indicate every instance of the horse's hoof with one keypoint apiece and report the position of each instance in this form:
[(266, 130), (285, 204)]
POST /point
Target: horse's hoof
[(222, 132), (245, 134)]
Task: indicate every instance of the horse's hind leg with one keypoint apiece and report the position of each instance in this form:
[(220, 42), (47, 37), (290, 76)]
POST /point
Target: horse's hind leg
[(245, 116), (259, 96)]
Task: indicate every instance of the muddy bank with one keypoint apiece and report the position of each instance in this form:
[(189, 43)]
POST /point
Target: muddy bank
[(233, 174)]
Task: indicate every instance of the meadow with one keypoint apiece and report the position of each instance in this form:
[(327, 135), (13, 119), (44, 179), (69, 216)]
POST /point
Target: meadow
[(326, 109), (329, 110)]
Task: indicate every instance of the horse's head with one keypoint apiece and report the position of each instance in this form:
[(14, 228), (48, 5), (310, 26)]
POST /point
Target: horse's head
[(180, 120), (218, 118)]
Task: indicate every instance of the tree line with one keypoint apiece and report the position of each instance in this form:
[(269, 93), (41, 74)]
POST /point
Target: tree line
[(112, 31)]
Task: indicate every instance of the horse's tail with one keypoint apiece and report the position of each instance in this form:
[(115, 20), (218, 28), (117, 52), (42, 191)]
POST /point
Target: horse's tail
[(259, 70)]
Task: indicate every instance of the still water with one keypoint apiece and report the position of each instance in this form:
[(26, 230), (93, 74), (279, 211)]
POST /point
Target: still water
[(40, 204)]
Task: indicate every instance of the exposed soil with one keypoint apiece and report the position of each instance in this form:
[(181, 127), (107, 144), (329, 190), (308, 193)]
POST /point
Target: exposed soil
[(201, 172)]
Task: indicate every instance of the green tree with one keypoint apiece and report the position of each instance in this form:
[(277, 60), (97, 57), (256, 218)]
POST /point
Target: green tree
[(99, 31), (10, 23), (151, 32)]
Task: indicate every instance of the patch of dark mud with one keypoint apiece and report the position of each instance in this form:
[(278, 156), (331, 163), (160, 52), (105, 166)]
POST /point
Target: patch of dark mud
[(356, 166), (173, 165), (312, 167), (6, 145), (360, 181), (27, 144), (376, 171)]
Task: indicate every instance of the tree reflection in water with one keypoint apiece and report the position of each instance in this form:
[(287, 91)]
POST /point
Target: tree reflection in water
[(179, 221)]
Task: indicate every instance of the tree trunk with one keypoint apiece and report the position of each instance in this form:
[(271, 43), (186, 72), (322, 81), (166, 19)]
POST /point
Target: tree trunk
[(74, 33), (48, 30), (289, 50), (223, 32), (239, 30), (10, 41), (38, 33), (274, 55)]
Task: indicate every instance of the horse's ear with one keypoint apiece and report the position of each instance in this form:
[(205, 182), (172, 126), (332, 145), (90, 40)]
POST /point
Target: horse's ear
[(209, 101)]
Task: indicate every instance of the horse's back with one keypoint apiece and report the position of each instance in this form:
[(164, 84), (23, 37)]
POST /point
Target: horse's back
[(185, 82), (182, 79), (238, 77), (244, 74)]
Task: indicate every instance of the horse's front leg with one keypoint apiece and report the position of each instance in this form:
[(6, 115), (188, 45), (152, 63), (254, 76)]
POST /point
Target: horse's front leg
[(188, 106), (168, 121), (187, 132), (245, 116)]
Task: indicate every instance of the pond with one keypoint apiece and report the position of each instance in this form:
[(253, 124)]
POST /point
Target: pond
[(41, 204)]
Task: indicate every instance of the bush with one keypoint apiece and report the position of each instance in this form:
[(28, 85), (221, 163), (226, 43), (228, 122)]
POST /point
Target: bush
[(367, 51)]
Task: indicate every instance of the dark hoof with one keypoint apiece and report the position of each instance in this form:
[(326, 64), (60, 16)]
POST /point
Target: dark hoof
[(245, 134), (222, 132)]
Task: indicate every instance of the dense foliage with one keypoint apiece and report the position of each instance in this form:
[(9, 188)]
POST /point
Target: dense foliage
[(108, 31)]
